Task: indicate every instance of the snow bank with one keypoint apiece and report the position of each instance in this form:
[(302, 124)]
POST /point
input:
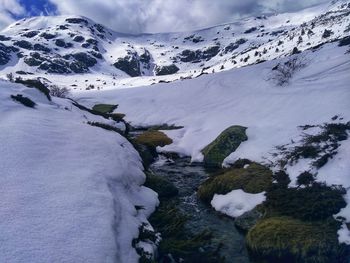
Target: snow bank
[(68, 190), (237, 202)]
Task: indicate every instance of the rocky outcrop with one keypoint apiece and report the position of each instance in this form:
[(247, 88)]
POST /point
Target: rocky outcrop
[(166, 70), (129, 64), (226, 143)]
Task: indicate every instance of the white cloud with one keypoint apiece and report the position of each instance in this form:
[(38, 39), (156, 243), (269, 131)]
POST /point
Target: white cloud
[(8, 8)]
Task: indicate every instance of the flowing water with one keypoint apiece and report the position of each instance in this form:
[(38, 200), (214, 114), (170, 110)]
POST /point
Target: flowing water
[(187, 177)]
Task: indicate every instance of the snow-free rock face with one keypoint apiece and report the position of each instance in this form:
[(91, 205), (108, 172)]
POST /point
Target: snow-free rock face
[(48, 44)]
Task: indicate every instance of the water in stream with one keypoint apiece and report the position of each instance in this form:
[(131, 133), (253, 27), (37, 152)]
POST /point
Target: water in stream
[(187, 177)]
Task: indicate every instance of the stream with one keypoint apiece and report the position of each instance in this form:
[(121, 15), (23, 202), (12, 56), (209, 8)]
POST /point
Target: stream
[(187, 177)]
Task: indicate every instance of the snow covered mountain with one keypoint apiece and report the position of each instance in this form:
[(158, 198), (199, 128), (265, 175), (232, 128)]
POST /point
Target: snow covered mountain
[(70, 46)]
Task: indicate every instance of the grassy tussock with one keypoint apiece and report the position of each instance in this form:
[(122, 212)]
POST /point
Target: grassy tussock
[(283, 239), (255, 178), (104, 108), (153, 139)]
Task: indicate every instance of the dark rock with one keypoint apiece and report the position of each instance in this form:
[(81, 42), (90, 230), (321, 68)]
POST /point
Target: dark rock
[(39, 47), (30, 34), (166, 70), (34, 59), (63, 27), (58, 66), (250, 30), (77, 21), (23, 44), (78, 39), (246, 221), (92, 41), (100, 28), (129, 64), (4, 38), (85, 59), (210, 52), (344, 42), (145, 57), (190, 55), (62, 43), (85, 45), (96, 54), (5, 53), (47, 35), (231, 47)]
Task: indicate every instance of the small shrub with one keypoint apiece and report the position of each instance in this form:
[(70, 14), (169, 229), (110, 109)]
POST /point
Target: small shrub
[(305, 178), (315, 202), (10, 77), (282, 178), (60, 92), (24, 100), (284, 72), (320, 147)]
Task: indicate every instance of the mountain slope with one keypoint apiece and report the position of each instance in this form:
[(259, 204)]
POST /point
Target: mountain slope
[(75, 45)]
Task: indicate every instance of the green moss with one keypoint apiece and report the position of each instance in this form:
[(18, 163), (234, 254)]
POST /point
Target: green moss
[(104, 108), (153, 139), (226, 143), (316, 202), (283, 239), (117, 116), (163, 187), (177, 241), (255, 178)]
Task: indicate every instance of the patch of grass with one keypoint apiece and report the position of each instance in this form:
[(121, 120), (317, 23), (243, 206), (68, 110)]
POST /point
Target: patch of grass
[(163, 187), (104, 108), (282, 178), (255, 178), (226, 143), (287, 240), (312, 203), (153, 139), (305, 178), (24, 100), (182, 245)]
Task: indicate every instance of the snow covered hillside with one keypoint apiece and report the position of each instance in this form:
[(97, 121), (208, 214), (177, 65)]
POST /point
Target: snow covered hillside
[(91, 56), (318, 93), (69, 191)]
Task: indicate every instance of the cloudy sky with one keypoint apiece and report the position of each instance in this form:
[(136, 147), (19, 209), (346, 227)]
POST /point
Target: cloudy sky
[(135, 16)]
